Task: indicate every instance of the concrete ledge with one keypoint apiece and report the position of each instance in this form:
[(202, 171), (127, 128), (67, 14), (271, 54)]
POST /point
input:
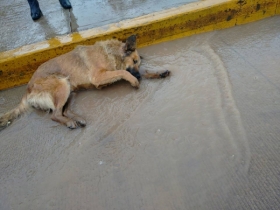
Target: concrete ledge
[(17, 66)]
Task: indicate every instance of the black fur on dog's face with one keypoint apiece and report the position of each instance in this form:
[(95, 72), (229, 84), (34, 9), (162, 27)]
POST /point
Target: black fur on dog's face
[(132, 59), (132, 64)]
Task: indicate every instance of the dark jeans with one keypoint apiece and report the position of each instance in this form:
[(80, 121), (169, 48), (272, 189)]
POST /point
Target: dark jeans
[(36, 12)]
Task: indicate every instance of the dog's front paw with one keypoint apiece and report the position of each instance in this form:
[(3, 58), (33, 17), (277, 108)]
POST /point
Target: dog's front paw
[(165, 74), (135, 83)]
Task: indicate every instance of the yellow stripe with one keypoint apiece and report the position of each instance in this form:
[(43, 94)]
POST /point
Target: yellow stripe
[(17, 66), (278, 7)]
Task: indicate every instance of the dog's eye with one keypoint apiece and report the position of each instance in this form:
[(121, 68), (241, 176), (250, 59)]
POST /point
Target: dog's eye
[(135, 61)]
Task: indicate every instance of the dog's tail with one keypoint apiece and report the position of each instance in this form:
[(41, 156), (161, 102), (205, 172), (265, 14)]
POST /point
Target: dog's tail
[(7, 118)]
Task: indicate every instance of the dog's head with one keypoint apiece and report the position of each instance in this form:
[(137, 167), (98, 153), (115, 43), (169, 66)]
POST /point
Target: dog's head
[(132, 59)]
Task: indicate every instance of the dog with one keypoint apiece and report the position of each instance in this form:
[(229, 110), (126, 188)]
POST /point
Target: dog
[(55, 82)]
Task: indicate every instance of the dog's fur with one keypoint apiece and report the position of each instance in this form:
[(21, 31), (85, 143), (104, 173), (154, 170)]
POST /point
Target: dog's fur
[(52, 85)]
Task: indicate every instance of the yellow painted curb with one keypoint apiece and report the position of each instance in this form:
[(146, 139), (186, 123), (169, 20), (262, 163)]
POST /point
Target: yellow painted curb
[(278, 7), (17, 66)]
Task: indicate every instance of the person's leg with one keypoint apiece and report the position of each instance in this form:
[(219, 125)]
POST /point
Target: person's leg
[(35, 10), (65, 4)]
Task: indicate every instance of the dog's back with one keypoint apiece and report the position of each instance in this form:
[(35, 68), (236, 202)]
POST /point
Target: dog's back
[(83, 63)]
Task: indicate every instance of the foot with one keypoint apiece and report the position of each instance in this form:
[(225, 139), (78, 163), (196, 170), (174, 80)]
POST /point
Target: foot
[(4, 124), (135, 83), (35, 10), (80, 121), (72, 124), (65, 4), (165, 74), (75, 123)]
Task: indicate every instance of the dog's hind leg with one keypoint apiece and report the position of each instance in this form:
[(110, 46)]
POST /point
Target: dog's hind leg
[(68, 113), (61, 96), (51, 93)]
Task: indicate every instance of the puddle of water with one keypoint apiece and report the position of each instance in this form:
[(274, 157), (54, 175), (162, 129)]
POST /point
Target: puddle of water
[(18, 28), (88, 14), (188, 124)]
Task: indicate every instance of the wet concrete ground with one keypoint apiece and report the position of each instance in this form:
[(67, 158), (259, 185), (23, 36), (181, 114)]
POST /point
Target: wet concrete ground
[(18, 29), (205, 138)]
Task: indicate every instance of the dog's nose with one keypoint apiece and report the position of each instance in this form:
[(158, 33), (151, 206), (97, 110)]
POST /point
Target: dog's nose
[(138, 76), (134, 73)]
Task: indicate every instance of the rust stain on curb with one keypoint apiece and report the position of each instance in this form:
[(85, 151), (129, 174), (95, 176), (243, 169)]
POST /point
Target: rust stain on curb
[(17, 66)]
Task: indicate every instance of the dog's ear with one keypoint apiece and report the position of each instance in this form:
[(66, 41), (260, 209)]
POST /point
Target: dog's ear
[(130, 44)]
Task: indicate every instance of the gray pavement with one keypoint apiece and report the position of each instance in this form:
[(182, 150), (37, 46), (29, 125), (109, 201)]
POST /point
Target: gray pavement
[(207, 138), (18, 29)]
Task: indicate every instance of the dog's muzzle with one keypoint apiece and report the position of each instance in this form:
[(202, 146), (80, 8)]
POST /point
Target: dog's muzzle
[(134, 73)]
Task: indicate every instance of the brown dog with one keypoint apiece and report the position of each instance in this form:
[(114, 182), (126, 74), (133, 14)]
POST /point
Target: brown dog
[(51, 86)]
